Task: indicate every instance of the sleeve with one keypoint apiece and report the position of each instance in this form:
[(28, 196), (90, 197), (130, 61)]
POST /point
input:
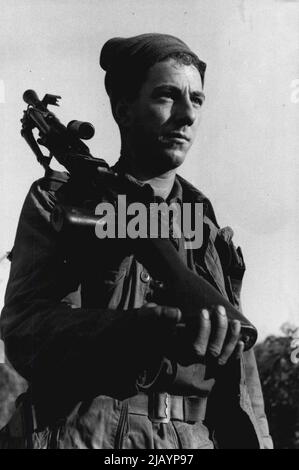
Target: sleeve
[(53, 345)]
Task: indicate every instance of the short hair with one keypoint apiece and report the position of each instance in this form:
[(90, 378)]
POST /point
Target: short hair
[(184, 58)]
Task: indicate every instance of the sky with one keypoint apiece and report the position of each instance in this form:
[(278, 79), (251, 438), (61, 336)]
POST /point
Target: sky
[(245, 157)]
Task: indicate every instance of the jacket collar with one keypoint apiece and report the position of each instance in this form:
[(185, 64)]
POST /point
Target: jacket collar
[(182, 191), (192, 194)]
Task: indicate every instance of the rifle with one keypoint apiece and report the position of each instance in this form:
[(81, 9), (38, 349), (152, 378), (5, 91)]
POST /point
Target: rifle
[(182, 287), (62, 141)]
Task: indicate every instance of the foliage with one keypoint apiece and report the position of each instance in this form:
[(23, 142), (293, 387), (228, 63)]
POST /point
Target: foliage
[(280, 382)]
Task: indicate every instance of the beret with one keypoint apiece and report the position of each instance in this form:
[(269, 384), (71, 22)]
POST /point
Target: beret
[(127, 59)]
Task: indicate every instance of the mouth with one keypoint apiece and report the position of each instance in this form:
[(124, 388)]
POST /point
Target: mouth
[(176, 137)]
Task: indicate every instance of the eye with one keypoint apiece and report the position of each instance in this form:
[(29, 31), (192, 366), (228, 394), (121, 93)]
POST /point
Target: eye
[(168, 94), (198, 100)]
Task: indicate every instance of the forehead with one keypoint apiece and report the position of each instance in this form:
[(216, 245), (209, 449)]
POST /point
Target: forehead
[(170, 72)]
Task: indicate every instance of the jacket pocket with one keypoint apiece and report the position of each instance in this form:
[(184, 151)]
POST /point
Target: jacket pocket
[(193, 435), (113, 287), (114, 276)]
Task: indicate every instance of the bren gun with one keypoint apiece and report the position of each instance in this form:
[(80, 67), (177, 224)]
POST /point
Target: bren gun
[(182, 287)]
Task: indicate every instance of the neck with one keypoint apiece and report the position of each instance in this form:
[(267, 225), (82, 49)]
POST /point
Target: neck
[(162, 184)]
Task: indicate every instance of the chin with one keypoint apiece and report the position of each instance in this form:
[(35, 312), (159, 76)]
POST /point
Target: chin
[(173, 158)]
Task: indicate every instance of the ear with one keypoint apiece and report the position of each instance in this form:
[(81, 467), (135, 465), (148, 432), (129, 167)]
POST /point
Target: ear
[(122, 112)]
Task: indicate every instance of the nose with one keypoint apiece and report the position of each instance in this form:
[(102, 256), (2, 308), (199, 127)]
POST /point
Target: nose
[(185, 113)]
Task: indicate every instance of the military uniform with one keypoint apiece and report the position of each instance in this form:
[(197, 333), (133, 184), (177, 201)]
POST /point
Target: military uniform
[(98, 378)]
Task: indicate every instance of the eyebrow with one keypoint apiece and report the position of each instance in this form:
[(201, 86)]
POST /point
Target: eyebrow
[(166, 86)]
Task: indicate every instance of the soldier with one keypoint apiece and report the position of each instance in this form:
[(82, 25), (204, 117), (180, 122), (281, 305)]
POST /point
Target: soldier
[(105, 365)]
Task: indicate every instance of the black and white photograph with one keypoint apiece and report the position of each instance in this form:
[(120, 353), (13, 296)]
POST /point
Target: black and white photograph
[(149, 255)]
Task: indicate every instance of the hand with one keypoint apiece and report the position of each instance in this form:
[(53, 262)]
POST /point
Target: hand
[(162, 316), (208, 334), (155, 325)]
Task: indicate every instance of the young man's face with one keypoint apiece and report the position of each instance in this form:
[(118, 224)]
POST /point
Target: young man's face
[(164, 118)]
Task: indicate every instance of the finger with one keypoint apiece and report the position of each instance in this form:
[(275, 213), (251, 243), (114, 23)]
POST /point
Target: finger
[(203, 326), (162, 314), (169, 314), (239, 350), (147, 310), (231, 343), (219, 331)]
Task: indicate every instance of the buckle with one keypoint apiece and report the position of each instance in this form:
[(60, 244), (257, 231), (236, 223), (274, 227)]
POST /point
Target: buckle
[(159, 408)]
